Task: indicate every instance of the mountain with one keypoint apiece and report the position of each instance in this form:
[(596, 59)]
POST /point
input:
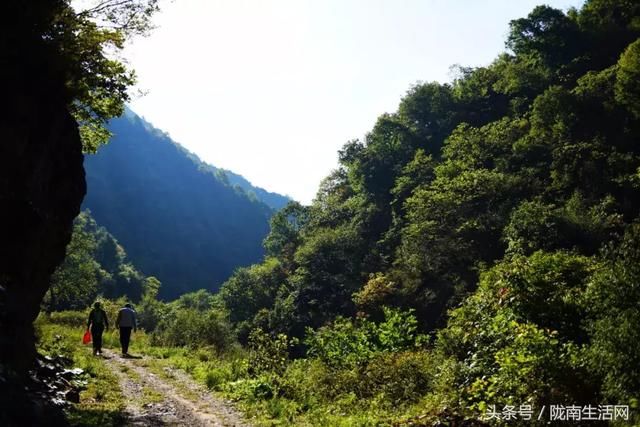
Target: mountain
[(95, 264), (178, 218), (273, 200)]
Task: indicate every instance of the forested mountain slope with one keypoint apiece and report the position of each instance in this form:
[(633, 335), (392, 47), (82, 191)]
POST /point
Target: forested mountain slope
[(273, 200), (176, 219), (95, 265), (501, 209)]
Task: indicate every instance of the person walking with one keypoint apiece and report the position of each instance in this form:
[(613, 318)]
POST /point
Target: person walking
[(97, 323), (126, 322)]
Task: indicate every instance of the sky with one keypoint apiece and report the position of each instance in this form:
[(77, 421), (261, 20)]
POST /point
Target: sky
[(272, 89)]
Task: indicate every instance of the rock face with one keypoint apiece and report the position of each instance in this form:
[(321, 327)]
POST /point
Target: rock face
[(41, 188)]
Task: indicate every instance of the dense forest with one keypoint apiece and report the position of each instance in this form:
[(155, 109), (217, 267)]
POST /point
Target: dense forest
[(95, 264), (500, 211), (181, 220), (274, 200)]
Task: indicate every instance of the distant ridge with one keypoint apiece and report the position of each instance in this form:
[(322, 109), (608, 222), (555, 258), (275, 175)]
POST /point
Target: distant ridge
[(274, 200), (181, 220)]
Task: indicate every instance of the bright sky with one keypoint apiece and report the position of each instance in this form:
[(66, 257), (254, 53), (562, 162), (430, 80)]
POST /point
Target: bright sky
[(271, 89)]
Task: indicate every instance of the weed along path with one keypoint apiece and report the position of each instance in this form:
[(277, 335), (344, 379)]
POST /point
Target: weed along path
[(167, 397)]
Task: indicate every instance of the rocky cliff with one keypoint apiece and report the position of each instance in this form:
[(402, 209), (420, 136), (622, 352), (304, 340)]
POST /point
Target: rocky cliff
[(41, 188)]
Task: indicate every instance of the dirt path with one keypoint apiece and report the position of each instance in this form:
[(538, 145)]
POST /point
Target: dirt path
[(156, 401)]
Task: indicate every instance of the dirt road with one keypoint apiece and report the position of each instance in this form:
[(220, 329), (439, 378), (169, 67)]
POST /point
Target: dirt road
[(170, 398)]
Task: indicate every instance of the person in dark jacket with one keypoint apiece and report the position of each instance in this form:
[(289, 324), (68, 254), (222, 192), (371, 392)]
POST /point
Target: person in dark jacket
[(97, 323), (126, 321)]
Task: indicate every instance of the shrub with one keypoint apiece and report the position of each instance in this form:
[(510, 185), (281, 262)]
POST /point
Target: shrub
[(350, 343), (613, 302), (388, 378), (400, 377), (311, 382), (269, 353), (190, 327), (239, 367), (151, 311), (69, 318), (216, 376), (398, 331), (519, 337), (307, 381), (344, 343)]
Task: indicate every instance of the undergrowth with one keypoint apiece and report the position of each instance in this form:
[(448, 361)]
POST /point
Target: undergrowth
[(101, 402)]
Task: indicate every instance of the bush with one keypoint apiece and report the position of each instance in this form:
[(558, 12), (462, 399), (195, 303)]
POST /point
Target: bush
[(350, 343), (307, 381), (268, 353), (311, 382), (216, 376), (151, 311), (364, 360), (519, 337), (387, 380), (261, 387), (400, 377), (76, 319), (613, 302), (398, 331), (190, 327), (344, 343)]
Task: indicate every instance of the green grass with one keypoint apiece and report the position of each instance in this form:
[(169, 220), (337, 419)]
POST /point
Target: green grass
[(227, 377), (150, 395), (101, 403), (299, 397)]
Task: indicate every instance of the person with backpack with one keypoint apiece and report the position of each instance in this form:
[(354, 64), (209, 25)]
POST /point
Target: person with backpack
[(126, 321), (97, 323)]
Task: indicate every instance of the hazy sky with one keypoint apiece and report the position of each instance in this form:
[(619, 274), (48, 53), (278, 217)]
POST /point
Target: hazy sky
[(271, 89)]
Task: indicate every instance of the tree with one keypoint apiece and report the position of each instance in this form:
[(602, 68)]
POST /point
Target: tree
[(251, 290), (74, 284), (546, 33), (284, 235), (503, 209), (95, 264), (150, 310), (627, 87), (80, 50)]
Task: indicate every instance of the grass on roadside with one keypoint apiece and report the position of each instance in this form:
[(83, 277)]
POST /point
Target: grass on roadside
[(101, 403), (299, 396), (255, 397)]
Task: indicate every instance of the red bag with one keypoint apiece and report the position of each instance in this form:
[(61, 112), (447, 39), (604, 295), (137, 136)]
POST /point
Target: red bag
[(86, 338)]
